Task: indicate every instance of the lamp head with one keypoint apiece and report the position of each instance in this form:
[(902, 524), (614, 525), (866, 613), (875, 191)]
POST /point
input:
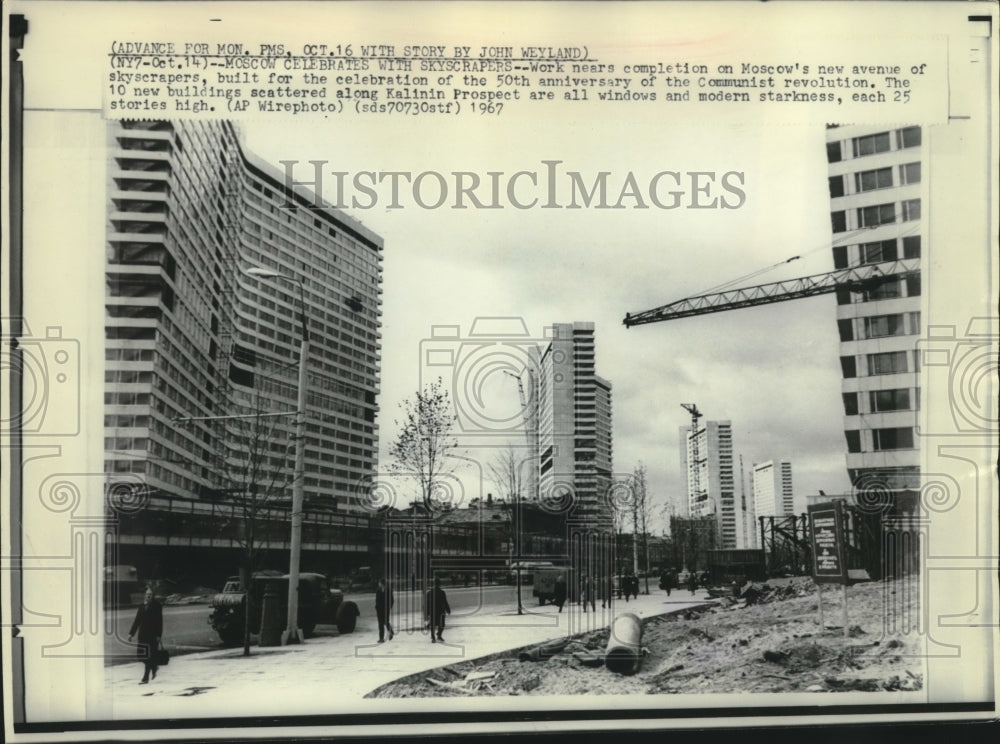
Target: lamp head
[(262, 272)]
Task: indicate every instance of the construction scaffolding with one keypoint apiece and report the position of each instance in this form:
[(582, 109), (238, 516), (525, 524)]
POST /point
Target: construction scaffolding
[(785, 541), (876, 543)]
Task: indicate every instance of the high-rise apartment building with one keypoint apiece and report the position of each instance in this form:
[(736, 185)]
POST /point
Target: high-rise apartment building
[(772, 489), (201, 358), (574, 422), (875, 179), (707, 459)]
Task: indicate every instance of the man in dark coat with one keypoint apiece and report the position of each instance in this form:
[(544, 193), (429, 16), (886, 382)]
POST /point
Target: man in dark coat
[(436, 608), (149, 622), (668, 580), (383, 608), (587, 593), (560, 591)]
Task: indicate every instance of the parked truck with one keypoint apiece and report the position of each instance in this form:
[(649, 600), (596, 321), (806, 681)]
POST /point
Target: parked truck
[(544, 586), (318, 603)]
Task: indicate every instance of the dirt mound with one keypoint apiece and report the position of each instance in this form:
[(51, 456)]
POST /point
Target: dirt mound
[(771, 644)]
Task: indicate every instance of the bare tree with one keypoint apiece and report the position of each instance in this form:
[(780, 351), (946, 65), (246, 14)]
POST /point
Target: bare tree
[(505, 471), (425, 443), (620, 514), (641, 516), (258, 473)]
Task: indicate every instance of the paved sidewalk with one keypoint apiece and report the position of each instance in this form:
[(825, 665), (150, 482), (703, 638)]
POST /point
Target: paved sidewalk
[(333, 674)]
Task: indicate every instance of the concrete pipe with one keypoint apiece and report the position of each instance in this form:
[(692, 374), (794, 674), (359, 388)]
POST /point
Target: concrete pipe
[(624, 651)]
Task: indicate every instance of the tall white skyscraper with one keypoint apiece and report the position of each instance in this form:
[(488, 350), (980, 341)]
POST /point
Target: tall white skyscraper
[(772, 489), (574, 422), (711, 479)]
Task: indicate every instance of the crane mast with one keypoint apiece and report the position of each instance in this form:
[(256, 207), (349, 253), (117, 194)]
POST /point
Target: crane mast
[(529, 411), (695, 458)]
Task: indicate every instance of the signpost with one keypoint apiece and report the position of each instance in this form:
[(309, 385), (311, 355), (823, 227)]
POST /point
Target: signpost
[(829, 564)]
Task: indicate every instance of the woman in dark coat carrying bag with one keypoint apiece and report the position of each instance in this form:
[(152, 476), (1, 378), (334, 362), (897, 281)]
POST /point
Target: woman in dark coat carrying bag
[(149, 623)]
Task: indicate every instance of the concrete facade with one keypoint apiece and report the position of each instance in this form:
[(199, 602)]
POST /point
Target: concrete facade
[(772, 490), (715, 493), (574, 424), (192, 339), (876, 179)]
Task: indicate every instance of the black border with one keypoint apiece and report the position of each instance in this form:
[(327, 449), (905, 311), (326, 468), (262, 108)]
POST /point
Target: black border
[(547, 716)]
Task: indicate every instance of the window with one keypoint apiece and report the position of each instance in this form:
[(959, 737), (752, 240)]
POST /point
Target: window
[(833, 152), (909, 173), (909, 137), (843, 295), (913, 286), (911, 209), (846, 328), (889, 400), (836, 186), (848, 366), (887, 363), (892, 439), (872, 144), (851, 404), (839, 257), (878, 326), (880, 214), (853, 440), (838, 221), (911, 247), (878, 251), (873, 179)]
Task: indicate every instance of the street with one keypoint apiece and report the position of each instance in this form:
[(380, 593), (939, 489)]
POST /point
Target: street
[(332, 674), (186, 628)]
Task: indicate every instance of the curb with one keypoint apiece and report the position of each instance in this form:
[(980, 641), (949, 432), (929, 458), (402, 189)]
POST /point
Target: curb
[(514, 652)]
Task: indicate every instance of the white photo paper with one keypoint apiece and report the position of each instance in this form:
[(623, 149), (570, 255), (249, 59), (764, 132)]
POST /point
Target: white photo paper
[(646, 352)]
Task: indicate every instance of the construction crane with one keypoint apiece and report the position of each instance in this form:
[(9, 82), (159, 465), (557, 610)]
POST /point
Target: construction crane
[(857, 278), (695, 459), (529, 410)]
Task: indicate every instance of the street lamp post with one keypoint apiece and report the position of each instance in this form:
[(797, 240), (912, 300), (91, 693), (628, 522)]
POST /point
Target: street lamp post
[(516, 523), (291, 634)]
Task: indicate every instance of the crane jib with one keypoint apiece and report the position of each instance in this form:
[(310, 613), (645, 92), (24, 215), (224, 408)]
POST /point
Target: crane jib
[(856, 278)]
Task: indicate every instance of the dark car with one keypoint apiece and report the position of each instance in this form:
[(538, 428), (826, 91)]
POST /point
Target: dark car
[(318, 603)]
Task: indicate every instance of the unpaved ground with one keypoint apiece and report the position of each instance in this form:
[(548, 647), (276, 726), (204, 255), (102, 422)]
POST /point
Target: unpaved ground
[(772, 645)]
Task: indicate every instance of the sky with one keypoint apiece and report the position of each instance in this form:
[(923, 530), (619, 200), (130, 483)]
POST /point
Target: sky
[(773, 371)]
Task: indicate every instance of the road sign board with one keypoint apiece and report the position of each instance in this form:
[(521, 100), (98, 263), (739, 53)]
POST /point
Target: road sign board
[(826, 529)]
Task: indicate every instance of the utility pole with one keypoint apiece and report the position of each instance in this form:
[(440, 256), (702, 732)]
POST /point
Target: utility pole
[(291, 634)]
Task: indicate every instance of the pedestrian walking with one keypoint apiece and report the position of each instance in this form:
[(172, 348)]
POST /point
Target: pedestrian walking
[(436, 608), (559, 591), (668, 580), (692, 581), (633, 585), (149, 624), (587, 593), (608, 592), (383, 610)]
